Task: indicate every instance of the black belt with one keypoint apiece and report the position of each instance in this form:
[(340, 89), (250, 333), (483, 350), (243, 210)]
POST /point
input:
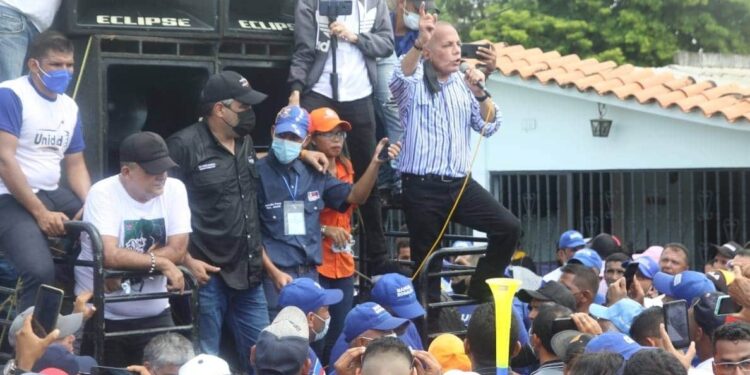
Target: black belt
[(433, 177)]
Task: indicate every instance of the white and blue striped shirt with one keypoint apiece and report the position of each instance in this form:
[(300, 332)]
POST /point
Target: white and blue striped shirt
[(436, 126)]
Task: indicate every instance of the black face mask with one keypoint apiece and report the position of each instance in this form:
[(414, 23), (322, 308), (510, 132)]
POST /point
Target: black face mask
[(245, 122)]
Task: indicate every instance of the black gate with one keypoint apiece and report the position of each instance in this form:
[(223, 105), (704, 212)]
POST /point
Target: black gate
[(643, 208)]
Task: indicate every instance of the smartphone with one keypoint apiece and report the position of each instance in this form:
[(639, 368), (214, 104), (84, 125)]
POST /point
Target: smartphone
[(383, 155), (630, 271), (470, 50), (335, 8), (676, 322), (563, 324), (46, 309), (725, 306)]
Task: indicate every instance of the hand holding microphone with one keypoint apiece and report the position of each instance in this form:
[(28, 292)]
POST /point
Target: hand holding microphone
[(474, 78)]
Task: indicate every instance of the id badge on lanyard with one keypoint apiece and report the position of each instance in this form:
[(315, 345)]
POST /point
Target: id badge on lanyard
[(294, 212)]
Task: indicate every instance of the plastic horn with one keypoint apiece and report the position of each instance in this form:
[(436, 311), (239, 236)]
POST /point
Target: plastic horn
[(503, 291)]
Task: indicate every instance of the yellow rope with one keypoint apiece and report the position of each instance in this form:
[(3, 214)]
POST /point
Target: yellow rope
[(83, 67), (490, 114)]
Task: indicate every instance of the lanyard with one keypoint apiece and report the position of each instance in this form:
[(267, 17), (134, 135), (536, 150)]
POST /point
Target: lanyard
[(289, 188)]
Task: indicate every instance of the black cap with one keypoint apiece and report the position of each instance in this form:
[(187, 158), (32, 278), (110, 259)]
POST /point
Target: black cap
[(148, 150), (727, 250), (704, 312), (552, 291), (230, 85), (605, 244)]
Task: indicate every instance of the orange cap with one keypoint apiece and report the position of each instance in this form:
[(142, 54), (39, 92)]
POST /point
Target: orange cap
[(448, 349), (324, 119)]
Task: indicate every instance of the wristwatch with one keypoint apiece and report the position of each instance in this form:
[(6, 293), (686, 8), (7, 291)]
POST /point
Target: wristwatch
[(11, 369)]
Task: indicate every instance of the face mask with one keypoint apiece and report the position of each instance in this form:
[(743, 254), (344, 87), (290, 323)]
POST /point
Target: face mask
[(56, 81), (286, 151), (411, 20), (245, 122), (326, 323)]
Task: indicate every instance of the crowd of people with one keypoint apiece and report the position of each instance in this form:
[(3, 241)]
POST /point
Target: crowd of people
[(268, 237)]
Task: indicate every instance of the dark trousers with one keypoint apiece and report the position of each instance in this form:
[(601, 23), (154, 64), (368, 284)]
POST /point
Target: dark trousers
[(338, 312), (427, 203), (128, 350), (25, 245), (361, 145)]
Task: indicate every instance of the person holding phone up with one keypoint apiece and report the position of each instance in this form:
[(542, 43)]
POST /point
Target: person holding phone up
[(439, 107)]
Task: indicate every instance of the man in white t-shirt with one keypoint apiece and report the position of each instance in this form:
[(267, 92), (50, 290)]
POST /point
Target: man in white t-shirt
[(144, 221), (40, 129)]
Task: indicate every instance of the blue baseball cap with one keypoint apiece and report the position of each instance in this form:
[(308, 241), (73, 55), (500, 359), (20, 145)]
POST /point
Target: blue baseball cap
[(369, 315), (621, 314), (570, 240), (396, 292), (308, 295), (292, 119), (646, 265), (588, 257), (614, 342), (687, 285)]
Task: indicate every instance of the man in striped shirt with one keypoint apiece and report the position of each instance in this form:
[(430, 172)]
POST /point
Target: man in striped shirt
[(438, 107)]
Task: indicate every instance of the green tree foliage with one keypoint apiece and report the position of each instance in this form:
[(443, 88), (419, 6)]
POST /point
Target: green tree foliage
[(641, 32)]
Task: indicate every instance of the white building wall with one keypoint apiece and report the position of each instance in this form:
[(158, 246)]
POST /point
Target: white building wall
[(547, 128)]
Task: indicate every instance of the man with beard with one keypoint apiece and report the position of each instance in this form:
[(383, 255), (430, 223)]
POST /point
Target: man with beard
[(217, 164)]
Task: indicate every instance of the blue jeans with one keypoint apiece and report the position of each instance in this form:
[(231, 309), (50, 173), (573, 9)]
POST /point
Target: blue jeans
[(338, 311), (16, 32), (386, 114), (244, 310), (272, 294)]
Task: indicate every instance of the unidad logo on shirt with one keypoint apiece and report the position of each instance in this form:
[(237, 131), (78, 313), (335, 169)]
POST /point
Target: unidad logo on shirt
[(52, 139)]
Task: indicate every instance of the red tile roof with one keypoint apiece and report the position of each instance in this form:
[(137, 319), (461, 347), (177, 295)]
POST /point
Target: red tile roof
[(645, 85)]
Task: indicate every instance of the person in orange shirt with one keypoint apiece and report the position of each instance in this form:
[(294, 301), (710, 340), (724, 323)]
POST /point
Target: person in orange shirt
[(337, 270)]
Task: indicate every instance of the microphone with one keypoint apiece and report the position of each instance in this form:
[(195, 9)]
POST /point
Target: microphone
[(463, 68)]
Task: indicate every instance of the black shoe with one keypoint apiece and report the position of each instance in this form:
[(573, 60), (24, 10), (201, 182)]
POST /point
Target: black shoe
[(478, 288)]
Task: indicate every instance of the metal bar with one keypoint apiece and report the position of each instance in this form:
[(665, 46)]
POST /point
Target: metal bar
[(717, 187), (745, 220), (667, 190), (146, 296), (655, 206), (680, 234), (632, 209), (147, 331), (644, 225), (581, 204), (601, 204), (570, 198), (706, 208), (549, 216), (732, 233)]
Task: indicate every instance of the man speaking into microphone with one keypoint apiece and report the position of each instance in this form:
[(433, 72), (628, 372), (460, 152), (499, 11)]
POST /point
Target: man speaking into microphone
[(439, 105)]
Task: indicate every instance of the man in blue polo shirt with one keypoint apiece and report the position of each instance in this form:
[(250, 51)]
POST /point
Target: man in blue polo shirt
[(291, 197), (313, 300), (395, 293)]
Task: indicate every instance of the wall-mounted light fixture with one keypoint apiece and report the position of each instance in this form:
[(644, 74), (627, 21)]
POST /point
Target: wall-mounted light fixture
[(600, 126)]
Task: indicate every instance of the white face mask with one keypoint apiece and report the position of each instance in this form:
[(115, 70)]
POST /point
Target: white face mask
[(411, 20), (326, 324)]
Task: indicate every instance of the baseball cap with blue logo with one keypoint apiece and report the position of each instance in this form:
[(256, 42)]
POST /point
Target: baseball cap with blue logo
[(292, 119), (687, 285), (621, 313), (396, 293), (614, 342), (308, 295), (588, 257), (646, 265), (369, 315), (571, 239)]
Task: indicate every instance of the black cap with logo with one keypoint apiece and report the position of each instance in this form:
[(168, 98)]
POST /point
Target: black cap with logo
[(148, 150), (230, 85)]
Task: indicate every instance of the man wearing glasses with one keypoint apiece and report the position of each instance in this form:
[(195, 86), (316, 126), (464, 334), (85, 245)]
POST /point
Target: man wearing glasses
[(732, 349)]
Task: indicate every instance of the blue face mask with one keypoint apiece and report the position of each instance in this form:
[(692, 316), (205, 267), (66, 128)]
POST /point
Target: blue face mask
[(286, 151), (56, 81)]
